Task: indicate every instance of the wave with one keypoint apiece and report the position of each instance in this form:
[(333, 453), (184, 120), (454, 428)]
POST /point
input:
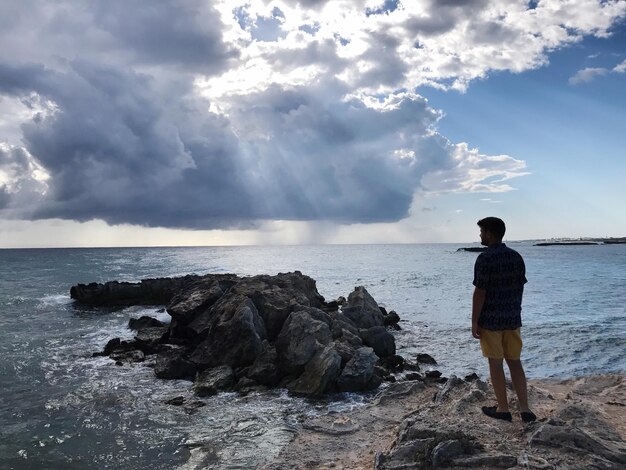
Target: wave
[(55, 300)]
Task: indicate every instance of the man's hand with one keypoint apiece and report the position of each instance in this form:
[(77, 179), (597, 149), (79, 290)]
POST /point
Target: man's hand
[(478, 300)]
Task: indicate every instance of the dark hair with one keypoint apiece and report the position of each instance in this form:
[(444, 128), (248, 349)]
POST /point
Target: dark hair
[(494, 225)]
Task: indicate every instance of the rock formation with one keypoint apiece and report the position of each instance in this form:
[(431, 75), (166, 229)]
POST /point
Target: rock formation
[(260, 331), (421, 425)]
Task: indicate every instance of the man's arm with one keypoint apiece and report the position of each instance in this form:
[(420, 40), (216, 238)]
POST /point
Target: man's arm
[(478, 300)]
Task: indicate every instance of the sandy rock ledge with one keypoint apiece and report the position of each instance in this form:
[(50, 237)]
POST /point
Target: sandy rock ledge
[(415, 425)]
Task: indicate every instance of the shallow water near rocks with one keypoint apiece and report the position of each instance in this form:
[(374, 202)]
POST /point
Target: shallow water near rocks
[(61, 408)]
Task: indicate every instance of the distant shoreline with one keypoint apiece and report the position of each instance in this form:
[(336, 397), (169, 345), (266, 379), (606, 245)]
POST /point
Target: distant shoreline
[(583, 242)]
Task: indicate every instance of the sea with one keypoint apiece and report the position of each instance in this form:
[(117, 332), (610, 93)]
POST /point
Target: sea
[(61, 408)]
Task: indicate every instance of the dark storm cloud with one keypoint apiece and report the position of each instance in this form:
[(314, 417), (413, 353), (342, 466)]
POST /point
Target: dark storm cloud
[(184, 33), (333, 158), (122, 134), (389, 68), (120, 147), (19, 80), (443, 16)]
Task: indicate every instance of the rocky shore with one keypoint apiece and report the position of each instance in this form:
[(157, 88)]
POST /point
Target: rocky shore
[(421, 425), (230, 333)]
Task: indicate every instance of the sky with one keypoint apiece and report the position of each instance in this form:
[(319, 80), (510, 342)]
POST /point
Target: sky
[(228, 122)]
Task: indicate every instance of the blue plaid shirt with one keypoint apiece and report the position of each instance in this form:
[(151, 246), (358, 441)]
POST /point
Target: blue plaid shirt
[(501, 272)]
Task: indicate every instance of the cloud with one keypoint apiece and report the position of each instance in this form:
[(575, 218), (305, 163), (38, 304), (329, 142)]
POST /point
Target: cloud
[(620, 68), (227, 114), (586, 75), (22, 181), (589, 74)]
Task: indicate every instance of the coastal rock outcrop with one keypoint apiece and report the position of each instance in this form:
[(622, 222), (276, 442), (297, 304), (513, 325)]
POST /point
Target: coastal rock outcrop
[(120, 294), (254, 331), (453, 433), (426, 425)]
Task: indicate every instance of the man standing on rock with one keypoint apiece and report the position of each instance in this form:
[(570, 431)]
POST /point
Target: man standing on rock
[(499, 278)]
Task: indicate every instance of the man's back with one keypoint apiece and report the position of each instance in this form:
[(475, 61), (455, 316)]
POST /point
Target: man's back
[(501, 272)]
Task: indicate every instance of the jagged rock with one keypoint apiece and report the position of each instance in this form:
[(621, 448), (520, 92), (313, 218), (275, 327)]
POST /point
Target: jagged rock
[(148, 339), (246, 385), (192, 406), (446, 451), (109, 347), (401, 458), (234, 335), (300, 339), (527, 460), (423, 358), (427, 447), (273, 330), (316, 314), (570, 437), (118, 346), (362, 309), (277, 296), (176, 401), (124, 356), (143, 322), (393, 363), (319, 373), (433, 374), (197, 297), (345, 331), (358, 374), (346, 351), (173, 364), (378, 338), (452, 383), (341, 324), (351, 339), (115, 294), (470, 401), (391, 319), (413, 376), (212, 381), (265, 370)]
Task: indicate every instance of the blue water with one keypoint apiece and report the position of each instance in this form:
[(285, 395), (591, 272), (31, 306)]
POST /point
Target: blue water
[(62, 409)]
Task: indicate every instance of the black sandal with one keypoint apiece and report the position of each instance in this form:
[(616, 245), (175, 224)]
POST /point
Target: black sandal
[(492, 412), (528, 416)]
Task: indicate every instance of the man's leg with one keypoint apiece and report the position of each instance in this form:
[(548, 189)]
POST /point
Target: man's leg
[(496, 371), (518, 377)]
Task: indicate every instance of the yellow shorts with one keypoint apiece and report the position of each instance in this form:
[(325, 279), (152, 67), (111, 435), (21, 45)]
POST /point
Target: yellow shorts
[(506, 344)]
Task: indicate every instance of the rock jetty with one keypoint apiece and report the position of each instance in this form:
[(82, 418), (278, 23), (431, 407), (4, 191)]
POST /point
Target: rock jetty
[(237, 333)]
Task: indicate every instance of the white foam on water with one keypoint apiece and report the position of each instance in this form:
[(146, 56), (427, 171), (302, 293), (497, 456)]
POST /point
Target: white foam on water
[(14, 300), (55, 300)]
